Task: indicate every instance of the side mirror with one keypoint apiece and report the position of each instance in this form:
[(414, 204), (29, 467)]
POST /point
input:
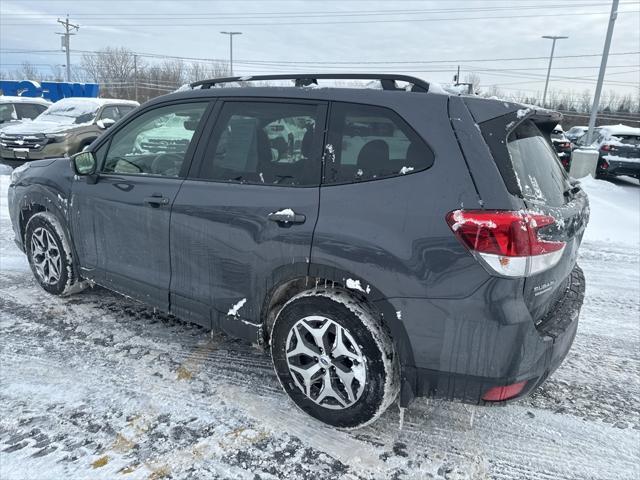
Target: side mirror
[(105, 123), (84, 163)]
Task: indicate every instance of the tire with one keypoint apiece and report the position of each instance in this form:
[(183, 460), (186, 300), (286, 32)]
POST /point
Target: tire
[(49, 255), (357, 360)]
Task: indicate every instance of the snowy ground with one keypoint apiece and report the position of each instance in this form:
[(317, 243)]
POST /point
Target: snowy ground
[(95, 386)]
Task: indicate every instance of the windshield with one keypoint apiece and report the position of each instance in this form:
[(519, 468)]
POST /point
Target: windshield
[(69, 112)]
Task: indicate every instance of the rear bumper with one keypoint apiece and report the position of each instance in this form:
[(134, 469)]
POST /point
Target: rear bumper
[(492, 354), (620, 167)]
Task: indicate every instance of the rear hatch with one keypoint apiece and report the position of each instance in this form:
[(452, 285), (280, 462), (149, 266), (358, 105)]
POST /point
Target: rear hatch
[(521, 147)]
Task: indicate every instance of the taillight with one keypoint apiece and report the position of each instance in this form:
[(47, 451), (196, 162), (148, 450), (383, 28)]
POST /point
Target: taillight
[(498, 394), (605, 148), (604, 165), (507, 243)]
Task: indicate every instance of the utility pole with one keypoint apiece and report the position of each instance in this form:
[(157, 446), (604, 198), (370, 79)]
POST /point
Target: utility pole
[(135, 76), (553, 47), (231, 34), (68, 27), (603, 68)]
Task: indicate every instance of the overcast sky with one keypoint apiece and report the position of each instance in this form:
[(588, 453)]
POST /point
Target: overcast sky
[(431, 37)]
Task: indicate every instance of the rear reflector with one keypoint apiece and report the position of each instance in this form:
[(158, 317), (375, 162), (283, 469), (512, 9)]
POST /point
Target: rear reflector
[(507, 243), (498, 394)]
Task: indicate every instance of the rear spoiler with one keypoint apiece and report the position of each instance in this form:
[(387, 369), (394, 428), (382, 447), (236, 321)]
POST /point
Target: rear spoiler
[(485, 109)]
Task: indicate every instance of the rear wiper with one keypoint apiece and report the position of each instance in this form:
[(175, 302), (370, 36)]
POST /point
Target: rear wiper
[(572, 191)]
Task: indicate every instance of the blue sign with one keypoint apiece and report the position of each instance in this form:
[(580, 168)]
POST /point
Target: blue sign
[(53, 91)]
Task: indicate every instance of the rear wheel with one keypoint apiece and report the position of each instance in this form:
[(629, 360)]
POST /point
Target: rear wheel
[(336, 362), (49, 255)]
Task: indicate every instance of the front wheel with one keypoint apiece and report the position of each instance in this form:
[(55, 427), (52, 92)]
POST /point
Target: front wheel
[(49, 255), (334, 359)]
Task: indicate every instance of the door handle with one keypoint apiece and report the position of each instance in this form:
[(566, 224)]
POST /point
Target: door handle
[(286, 216), (156, 201)]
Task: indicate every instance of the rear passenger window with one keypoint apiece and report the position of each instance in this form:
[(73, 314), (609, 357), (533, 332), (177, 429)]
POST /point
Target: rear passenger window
[(29, 110), (264, 143), (368, 143)]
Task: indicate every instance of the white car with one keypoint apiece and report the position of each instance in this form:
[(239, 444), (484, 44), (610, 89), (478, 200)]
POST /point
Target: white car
[(14, 109)]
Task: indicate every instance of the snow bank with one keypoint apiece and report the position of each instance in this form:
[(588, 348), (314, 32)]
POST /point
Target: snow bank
[(615, 212)]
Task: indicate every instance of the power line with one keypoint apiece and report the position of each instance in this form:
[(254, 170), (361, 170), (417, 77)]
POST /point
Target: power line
[(351, 22), (323, 13), (332, 62)]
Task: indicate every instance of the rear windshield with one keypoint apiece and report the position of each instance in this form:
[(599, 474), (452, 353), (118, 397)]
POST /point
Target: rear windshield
[(627, 139), (540, 175)]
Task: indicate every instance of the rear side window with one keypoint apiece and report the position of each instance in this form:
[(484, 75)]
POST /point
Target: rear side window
[(269, 143), (29, 110), (7, 112), (539, 174), (369, 143)]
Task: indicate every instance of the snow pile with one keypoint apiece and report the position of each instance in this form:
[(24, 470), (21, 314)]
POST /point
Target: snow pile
[(615, 212)]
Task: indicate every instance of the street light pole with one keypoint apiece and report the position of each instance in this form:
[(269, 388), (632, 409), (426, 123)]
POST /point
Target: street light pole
[(603, 68), (231, 34), (553, 47)]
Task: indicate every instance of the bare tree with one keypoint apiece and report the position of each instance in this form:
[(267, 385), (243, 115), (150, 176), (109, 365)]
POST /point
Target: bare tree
[(474, 79), (113, 68), (28, 71)]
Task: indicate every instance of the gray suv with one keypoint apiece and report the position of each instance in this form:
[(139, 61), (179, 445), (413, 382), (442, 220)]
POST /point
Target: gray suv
[(377, 242)]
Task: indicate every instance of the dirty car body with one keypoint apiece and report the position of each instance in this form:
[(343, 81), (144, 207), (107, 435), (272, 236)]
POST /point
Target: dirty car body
[(351, 203)]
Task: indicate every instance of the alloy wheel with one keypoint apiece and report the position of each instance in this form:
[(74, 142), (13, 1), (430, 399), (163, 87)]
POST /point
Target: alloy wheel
[(325, 362), (45, 256)]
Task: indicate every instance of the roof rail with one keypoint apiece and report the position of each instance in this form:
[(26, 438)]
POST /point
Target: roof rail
[(304, 79)]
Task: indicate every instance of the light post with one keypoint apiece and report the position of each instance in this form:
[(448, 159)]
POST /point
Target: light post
[(231, 34), (603, 68), (553, 47)]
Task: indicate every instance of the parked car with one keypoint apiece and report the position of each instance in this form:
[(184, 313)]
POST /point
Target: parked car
[(15, 109), (65, 128), (574, 133), (411, 242), (562, 146), (619, 147)]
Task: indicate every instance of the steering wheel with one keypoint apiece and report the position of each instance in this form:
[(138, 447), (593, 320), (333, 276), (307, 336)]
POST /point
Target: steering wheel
[(164, 162)]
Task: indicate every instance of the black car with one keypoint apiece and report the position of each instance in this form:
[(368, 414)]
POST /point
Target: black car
[(562, 146), (619, 150), (376, 241)]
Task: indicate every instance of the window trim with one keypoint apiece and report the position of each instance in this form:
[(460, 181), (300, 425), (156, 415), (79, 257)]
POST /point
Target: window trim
[(320, 136), (383, 107), (190, 154)]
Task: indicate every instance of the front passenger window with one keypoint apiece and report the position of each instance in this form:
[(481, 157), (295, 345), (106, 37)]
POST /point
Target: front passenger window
[(156, 142)]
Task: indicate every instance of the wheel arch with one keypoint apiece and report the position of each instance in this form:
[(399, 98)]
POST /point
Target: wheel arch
[(329, 277), (38, 201)]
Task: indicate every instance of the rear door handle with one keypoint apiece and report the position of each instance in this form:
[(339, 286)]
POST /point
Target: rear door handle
[(156, 201), (286, 216)]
